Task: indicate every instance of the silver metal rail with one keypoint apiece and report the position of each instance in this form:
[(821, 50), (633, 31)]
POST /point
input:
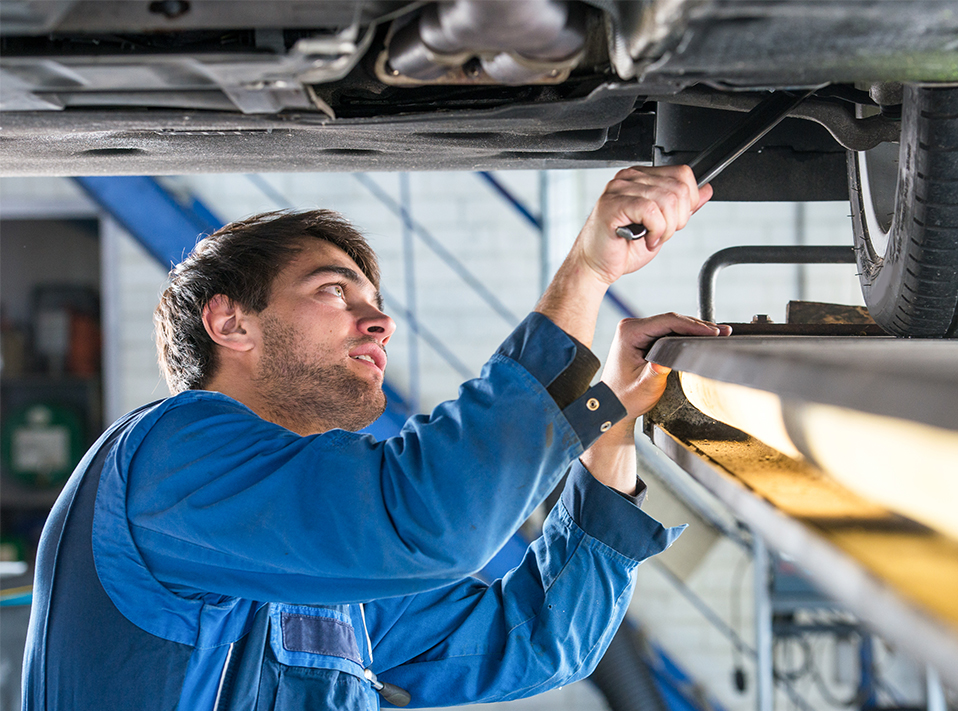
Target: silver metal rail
[(762, 254), (898, 576)]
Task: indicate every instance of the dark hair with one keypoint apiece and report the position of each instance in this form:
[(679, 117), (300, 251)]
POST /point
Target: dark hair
[(240, 261)]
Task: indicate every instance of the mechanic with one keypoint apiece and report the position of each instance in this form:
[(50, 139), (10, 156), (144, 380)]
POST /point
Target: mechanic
[(239, 546)]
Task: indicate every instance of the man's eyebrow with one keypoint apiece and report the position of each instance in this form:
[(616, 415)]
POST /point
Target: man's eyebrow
[(349, 274)]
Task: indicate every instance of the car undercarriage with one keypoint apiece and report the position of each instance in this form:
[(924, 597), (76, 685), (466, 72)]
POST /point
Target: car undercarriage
[(178, 86)]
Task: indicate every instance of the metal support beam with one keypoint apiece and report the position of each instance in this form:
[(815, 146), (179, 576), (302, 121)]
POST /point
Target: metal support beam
[(166, 226), (934, 693), (893, 572), (764, 669), (506, 194), (409, 274)]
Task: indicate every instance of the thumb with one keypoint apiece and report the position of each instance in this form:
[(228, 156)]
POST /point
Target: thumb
[(648, 388), (658, 370), (705, 194)]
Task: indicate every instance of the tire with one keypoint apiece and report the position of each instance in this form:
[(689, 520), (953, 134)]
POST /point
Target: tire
[(904, 202)]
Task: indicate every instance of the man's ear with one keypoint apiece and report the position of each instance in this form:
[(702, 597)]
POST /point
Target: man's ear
[(228, 325)]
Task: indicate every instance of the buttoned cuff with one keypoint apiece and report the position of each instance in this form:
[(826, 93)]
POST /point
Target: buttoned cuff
[(565, 367), (574, 380), (613, 518), (594, 413)]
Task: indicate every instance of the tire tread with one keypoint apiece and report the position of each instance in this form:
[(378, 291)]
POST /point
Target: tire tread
[(913, 289)]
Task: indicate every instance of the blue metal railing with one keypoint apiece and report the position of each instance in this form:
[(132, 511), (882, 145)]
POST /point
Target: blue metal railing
[(409, 277), (506, 194), (536, 222), (438, 249), (166, 225)]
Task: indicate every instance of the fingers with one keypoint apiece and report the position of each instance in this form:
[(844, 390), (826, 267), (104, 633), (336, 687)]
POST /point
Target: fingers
[(705, 194), (640, 333), (637, 382), (659, 369), (662, 199)]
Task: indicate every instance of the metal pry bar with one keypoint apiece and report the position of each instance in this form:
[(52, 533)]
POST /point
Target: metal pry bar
[(713, 160)]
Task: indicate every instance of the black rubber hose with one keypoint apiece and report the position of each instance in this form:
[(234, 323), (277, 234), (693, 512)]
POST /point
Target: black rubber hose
[(624, 677)]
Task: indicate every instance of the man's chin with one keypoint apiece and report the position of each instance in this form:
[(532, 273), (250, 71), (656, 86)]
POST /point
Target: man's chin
[(369, 413)]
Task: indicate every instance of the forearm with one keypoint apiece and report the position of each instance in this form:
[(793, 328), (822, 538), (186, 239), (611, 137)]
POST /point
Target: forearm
[(542, 625), (573, 298), (611, 460)]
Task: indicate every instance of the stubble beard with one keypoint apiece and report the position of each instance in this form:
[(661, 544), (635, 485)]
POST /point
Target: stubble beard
[(307, 396)]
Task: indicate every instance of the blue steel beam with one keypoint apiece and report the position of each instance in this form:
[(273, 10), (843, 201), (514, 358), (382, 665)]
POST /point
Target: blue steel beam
[(536, 221), (504, 192), (165, 226)]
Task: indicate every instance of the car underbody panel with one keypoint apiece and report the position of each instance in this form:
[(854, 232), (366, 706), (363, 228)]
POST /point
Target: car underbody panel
[(170, 86)]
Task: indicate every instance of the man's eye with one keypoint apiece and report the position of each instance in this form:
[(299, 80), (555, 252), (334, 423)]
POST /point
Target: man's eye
[(335, 290)]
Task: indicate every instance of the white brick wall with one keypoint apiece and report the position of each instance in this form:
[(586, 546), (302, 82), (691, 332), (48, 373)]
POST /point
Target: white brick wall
[(132, 286)]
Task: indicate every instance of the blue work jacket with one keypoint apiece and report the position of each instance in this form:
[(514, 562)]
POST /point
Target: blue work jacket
[(203, 558)]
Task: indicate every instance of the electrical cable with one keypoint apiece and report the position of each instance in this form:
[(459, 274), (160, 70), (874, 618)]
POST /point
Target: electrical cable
[(855, 699), (722, 627), (803, 669)]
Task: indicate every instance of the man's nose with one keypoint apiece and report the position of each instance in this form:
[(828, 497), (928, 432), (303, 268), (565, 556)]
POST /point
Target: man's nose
[(377, 324)]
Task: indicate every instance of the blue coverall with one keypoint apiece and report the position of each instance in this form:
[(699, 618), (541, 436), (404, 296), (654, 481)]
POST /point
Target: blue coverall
[(202, 558)]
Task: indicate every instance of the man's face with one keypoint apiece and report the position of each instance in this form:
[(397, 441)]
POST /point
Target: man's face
[(323, 344)]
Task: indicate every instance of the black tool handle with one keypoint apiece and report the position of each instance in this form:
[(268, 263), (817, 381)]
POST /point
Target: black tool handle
[(713, 160)]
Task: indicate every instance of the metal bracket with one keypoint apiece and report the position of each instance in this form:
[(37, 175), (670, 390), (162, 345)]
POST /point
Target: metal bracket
[(854, 134), (763, 254)]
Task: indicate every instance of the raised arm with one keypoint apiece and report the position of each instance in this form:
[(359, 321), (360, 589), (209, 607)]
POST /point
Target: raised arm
[(662, 199)]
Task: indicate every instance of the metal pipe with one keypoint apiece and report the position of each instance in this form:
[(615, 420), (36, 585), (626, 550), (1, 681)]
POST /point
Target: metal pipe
[(516, 41), (764, 672), (763, 254), (409, 276), (934, 692), (719, 624), (801, 239), (545, 273)]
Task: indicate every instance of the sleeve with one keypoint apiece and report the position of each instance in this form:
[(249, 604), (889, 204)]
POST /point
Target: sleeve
[(545, 624), (223, 502)]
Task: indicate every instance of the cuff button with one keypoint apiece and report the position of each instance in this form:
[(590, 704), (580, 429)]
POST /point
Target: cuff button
[(592, 404), (606, 426)]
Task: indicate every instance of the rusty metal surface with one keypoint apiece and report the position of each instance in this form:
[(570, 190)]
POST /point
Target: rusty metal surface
[(817, 312), (806, 329), (897, 576)]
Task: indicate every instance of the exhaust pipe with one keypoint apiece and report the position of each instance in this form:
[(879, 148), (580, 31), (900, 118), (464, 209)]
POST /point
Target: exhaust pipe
[(515, 42)]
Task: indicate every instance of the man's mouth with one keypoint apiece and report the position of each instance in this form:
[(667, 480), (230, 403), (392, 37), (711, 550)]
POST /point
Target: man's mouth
[(370, 353)]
